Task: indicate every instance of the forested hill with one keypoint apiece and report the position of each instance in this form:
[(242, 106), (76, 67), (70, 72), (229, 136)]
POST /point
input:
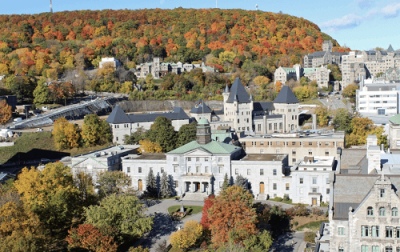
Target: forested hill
[(31, 44)]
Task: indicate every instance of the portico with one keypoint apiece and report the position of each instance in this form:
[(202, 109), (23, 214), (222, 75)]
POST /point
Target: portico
[(197, 183)]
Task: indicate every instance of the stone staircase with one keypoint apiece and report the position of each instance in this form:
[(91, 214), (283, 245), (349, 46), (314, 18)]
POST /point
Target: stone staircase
[(195, 196), (262, 196)]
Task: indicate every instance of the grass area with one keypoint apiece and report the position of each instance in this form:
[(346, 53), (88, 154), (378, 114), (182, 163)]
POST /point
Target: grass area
[(315, 101), (314, 226), (189, 209), (278, 199), (34, 146)]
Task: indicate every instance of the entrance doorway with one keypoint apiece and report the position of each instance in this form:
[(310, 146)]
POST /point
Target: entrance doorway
[(262, 187), (314, 201), (198, 187), (140, 185)]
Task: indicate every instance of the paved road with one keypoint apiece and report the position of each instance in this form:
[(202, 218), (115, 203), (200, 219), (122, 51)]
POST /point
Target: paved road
[(163, 227), (333, 103), (292, 241)]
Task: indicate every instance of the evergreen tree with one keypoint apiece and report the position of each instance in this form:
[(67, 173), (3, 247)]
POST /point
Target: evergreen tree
[(226, 182), (241, 181), (163, 132), (151, 184), (165, 186), (187, 133)]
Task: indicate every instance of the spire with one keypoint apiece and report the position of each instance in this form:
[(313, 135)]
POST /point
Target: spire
[(251, 97), (235, 98), (390, 49), (226, 89)]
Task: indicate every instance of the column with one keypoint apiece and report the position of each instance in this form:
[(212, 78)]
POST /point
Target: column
[(201, 187), (193, 187)]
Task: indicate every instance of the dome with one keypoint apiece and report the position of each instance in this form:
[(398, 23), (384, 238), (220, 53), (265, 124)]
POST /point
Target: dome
[(203, 121)]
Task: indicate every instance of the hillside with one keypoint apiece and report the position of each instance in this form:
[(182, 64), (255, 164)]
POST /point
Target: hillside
[(64, 40)]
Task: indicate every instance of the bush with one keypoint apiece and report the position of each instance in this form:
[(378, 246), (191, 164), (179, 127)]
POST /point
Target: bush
[(317, 211), (296, 223), (278, 199), (298, 210), (309, 237), (286, 197)]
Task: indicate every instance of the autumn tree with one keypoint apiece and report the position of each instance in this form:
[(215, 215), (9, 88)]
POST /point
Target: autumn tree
[(41, 92), (187, 237), (95, 131), (84, 183), (112, 182), (205, 221), (322, 116), (261, 80), (147, 146), (87, 236), (163, 133), (66, 135), (165, 187), (361, 127), (350, 91), (232, 215), (51, 194), (123, 212), (5, 112)]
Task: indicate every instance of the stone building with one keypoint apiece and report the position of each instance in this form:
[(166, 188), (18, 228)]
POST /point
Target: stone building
[(284, 74), (296, 145), (324, 57), (318, 74), (125, 124), (394, 132), (108, 159)]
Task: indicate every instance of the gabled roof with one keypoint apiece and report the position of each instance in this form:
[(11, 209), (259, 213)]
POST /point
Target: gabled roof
[(263, 106), (286, 96), (390, 49), (395, 119), (118, 116), (200, 107), (239, 92), (213, 147)]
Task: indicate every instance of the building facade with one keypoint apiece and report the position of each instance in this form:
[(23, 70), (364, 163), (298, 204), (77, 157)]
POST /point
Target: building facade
[(319, 75), (394, 132), (109, 62)]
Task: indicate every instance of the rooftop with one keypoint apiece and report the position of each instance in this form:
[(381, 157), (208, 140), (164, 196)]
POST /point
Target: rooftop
[(264, 157), (148, 156), (304, 134), (286, 96), (395, 119), (110, 151), (319, 160), (238, 93), (213, 147)]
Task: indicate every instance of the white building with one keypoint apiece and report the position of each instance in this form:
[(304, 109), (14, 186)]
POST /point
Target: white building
[(377, 98), (109, 62)]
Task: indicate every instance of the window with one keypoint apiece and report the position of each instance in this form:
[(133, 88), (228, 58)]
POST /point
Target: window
[(314, 181), (388, 249), (197, 169), (197, 159), (327, 180), (293, 160), (287, 187), (341, 249), (139, 169), (277, 143), (397, 232), (326, 153), (236, 171), (382, 193), (364, 248), (293, 144), (382, 211), (162, 169), (116, 138), (274, 186), (328, 190), (293, 152), (370, 211), (175, 159), (340, 230), (220, 184), (189, 159), (261, 143), (219, 160), (220, 169), (301, 180), (206, 159), (314, 190), (364, 231), (326, 143), (128, 169), (189, 168), (261, 171), (395, 212), (274, 172), (176, 183), (310, 152), (375, 248), (389, 232), (278, 151), (175, 168), (375, 231), (206, 169), (248, 171), (310, 143)]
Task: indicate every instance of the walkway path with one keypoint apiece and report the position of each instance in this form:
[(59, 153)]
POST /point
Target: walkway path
[(163, 227), (288, 242)]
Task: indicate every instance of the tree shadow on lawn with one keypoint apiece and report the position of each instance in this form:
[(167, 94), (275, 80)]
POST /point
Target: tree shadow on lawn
[(279, 243), (162, 226)]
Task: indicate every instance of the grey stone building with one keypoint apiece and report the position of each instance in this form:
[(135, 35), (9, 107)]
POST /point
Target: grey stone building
[(324, 57)]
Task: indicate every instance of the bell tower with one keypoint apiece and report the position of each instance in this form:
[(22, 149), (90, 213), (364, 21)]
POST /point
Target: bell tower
[(203, 134)]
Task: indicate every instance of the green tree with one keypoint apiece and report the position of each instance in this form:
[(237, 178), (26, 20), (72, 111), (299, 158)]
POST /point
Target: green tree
[(350, 91), (259, 243), (41, 92), (112, 182), (151, 184), (241, 181), (84, 183), (226, 183), (95, 131), (165, 187), (139, 134), (335, 74), (163, 132), (123, 212), (187, 133), (51, 194), (342, 120)]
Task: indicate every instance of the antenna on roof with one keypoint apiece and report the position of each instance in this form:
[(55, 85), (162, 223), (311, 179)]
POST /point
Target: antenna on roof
[(256, 6), (216, 3), (51, 6)]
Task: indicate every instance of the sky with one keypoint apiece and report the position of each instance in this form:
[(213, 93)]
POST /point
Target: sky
[(358, 24)]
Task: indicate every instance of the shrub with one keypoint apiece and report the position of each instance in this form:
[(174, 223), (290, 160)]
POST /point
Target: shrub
[(278, 199), (296, 223), (286, 197), (317, 211), (309, 237)]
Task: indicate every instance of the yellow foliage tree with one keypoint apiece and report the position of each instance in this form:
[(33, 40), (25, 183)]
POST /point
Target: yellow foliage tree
[(322, 115), (278, 86), (261, 80), (227, 56), (126, 87), (52, 74), (187, 237), (3, 69), (147, 146), (66, 135)]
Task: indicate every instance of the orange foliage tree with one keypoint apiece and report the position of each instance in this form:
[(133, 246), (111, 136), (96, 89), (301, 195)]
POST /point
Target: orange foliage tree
[(5, 112), (205, 221), (89, 237), (232, 216)]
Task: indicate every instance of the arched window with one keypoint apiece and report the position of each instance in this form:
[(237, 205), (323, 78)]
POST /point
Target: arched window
[(382, 211), (370, 211), (395, 212), (139, 169)]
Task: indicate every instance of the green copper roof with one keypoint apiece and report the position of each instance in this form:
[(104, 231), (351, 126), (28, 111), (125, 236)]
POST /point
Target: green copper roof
[(309, 69), (213, 147), (203, 121), (395, 119), (289, 69)]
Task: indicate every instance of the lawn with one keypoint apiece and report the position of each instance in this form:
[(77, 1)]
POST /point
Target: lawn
[(190, 210), (314, 226), (278, 199), (34, 146), (310, 101)]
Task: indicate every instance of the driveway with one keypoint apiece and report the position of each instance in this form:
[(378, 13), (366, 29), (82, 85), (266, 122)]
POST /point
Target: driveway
[(288, 242), (163, 227), (333, 103)]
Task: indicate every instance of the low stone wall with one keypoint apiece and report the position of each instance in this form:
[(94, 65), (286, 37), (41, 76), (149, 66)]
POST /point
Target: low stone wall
[(6, 144), (152, 105)]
